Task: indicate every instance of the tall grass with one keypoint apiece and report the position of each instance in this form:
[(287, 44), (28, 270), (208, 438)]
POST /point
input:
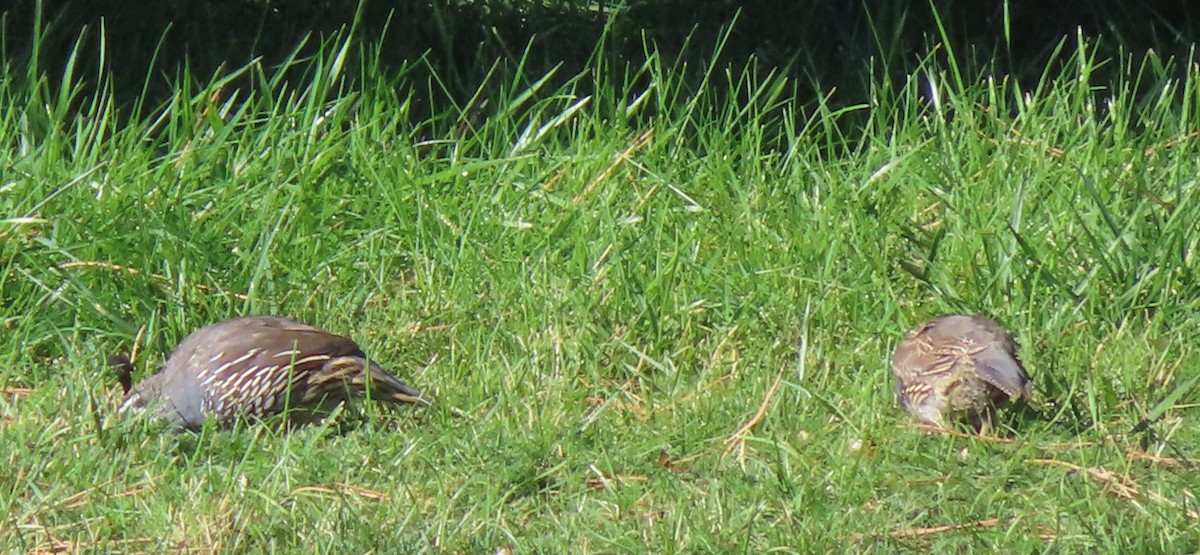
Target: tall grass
[(603, 277)]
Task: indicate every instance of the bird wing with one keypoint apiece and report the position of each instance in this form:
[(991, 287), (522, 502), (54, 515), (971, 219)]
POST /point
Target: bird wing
[(329, 360), (269, 371), (919, 358), (919, 367), (376, 382)]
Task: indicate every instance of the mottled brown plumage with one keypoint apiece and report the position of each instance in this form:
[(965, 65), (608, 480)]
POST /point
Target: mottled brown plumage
[(260, 366), (958, 366)]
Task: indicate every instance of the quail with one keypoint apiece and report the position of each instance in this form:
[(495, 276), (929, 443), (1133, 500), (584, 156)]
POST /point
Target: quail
[(259, 366), (958, 366)]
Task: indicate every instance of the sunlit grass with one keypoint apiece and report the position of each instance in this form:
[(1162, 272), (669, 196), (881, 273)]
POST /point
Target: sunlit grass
[(601, 289)]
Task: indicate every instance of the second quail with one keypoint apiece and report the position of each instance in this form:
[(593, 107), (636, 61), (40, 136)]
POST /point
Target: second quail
[(958, 366)]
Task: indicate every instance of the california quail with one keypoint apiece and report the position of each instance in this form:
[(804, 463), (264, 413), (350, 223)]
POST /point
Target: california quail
[(260, 366), (955, 366)]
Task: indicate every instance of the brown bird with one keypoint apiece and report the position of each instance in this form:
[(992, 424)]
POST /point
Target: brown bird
[(259, 366), (955, 366)]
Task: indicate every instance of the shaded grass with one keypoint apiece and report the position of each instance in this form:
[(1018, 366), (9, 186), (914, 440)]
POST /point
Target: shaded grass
[(599, 290)]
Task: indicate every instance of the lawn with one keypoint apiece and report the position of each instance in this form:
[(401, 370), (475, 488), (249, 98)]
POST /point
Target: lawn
[(655, 305)]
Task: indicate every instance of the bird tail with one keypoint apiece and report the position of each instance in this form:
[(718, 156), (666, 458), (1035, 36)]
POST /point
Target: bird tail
[(1005, 372), (379, 383)]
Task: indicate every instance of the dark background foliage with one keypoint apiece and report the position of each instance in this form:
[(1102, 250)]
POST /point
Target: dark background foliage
[(822, 43)]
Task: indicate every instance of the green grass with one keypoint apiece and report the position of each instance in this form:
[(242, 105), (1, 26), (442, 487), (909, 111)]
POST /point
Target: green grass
[(600, 289)]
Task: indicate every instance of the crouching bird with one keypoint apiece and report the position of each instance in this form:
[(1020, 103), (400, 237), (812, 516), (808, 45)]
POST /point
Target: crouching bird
[(958, 366), (259, 366)]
